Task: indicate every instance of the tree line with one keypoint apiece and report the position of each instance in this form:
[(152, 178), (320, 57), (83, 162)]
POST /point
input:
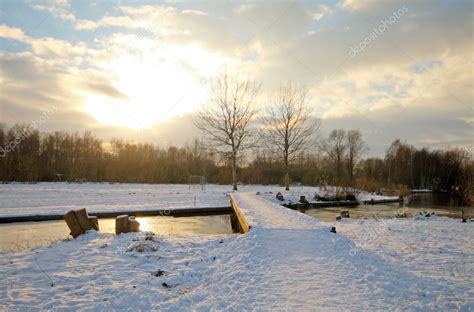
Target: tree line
[(62, 156), (72, 157)]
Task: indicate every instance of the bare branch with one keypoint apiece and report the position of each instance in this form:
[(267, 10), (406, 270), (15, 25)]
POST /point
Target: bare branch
[(288, 126), (226, 117)]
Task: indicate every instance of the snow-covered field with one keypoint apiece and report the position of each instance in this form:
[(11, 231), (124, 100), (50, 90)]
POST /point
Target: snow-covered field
[(288, 261), (24, 199), (18, 198)]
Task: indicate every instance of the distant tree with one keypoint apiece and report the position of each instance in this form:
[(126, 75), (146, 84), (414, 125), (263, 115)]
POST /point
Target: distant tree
[(399, 158), (226, 117), (3, 153), (288, 127), (355, 147), (374, 169), (335, 147)]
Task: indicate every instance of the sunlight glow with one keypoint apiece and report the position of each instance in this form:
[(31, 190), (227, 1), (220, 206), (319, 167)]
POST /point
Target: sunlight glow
[(145, 224), (161, 82)]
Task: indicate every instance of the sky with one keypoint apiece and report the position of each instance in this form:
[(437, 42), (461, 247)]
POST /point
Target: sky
[(139, 69)]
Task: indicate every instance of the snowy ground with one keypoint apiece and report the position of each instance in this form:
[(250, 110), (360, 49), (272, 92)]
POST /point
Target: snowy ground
[(288, 261), (17, 198), (24, 199)]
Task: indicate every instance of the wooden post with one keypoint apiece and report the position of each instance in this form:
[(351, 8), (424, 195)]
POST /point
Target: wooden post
[(95, 220), (84, 220), (133, 225), (79, 222), (121, 224), (125, 224), (73, 224), (345, 214), (303, 199)]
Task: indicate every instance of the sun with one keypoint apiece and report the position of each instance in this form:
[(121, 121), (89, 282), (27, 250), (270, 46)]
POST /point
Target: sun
[(160, 83)]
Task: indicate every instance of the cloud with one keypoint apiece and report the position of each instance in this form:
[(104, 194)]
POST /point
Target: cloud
[(194, 12), (86, 25), (50, 47), (32, 82), (105, 89), (321, 11), (13, 33), (132, 18), (47, 46), (414, 81), (355, 5), (57, 8)]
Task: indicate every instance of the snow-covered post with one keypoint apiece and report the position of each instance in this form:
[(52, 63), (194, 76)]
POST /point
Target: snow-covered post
[(79, 222), (125, 224)]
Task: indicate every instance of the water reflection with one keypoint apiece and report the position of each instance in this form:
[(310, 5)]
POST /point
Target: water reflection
[(387, 211), (177, 226), (20, 236), (434, 200), (442, 204), (383, 211)]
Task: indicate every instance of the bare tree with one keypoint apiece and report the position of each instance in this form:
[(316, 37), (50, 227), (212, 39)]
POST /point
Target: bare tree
[(225, 118), (355, 146), (288, 126), (335, 146)]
